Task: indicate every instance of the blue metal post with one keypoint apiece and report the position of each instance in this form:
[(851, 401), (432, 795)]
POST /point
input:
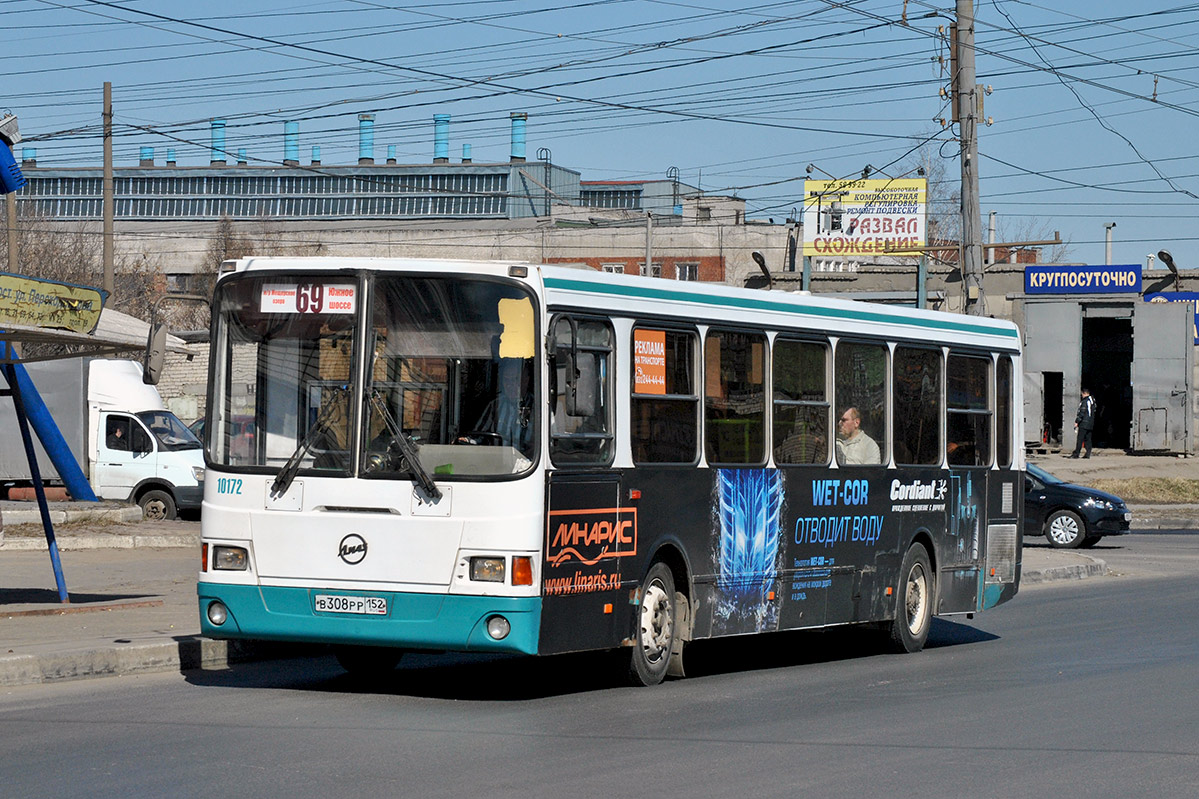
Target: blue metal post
[(35, 473)]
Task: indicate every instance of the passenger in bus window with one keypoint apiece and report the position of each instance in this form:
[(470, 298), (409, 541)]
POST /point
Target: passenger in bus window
[(853, 445)]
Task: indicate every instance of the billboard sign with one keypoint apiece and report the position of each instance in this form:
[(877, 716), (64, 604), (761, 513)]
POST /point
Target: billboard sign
[(34, 302), (1113, 279), (856, 219)]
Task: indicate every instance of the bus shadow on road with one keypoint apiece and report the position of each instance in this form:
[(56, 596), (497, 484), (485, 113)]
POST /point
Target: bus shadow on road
[(501, 678)]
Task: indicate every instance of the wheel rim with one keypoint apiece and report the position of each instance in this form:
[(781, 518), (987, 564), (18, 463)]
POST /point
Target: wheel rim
[(155, 509), (916, 599), (656, 623), (1063, 529)]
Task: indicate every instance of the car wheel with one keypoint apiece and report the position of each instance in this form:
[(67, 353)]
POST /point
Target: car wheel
[(157, 506), (656, 628), (914, 604), (1065, 529)]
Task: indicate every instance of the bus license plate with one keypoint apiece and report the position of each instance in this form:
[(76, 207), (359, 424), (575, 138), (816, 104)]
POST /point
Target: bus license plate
[(361, 605)]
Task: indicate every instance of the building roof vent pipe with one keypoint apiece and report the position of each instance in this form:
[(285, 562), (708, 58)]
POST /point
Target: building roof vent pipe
[(28, 157), (391, 153), (170, 156), (466, 153), (441, 138), (241, 156), (316, 155), (217, 127), (519, 122), (291, 144), (145, 156), (366, 139)]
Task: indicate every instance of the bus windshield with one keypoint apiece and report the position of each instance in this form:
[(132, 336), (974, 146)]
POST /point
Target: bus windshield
[(452, 367), (449, 376)]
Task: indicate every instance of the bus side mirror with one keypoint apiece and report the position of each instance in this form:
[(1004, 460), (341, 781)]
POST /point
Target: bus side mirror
[(156, 350), (582, 384)]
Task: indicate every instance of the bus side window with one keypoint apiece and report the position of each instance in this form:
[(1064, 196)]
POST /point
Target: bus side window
[(968, 417), (665, 404), (860, 378), (734, 397), (801, 406), (581, 417), (916, 406), (1003, 411)]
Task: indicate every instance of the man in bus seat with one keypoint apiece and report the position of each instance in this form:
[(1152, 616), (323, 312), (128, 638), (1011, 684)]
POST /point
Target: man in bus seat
[(853, 445)]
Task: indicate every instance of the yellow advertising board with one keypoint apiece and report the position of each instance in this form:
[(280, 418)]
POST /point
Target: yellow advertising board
[(859, 219), (31, 302)]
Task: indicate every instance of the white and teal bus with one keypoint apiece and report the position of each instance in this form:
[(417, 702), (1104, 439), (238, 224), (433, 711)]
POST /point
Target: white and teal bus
[(422, 455)]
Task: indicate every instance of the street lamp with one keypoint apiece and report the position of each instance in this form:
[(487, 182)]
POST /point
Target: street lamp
[(1167, 259)]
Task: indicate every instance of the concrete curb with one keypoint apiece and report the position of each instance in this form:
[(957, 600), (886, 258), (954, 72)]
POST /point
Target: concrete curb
[(182, 654), (67, 543), (1074, 571)]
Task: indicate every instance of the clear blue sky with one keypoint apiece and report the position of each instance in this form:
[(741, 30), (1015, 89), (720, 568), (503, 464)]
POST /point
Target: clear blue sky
[(1094, 104)]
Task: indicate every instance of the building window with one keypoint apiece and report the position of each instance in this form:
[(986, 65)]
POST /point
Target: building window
[(655, 269), (686, 271), (615, 269)]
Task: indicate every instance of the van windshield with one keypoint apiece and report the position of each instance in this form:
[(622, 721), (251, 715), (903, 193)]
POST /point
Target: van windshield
[(171, 433)]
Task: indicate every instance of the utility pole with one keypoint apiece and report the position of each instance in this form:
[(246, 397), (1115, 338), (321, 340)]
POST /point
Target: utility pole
[(107, 201), (966, 97)]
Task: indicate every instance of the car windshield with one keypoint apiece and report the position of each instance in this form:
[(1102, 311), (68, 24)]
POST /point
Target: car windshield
[(1042, 475), (170, 432)]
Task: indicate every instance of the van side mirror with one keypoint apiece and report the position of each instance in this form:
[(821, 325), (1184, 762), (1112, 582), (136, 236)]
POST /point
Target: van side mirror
[(156, 350)]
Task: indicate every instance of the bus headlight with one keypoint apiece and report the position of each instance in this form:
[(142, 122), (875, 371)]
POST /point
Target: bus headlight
[(487, 570), (498, 627), (233, 559)]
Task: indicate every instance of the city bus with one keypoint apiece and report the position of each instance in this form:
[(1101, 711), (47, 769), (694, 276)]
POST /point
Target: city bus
[(415, 455)]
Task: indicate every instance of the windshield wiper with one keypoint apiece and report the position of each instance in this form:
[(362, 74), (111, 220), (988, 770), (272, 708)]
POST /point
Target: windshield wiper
[(406, 446), (289, 470)]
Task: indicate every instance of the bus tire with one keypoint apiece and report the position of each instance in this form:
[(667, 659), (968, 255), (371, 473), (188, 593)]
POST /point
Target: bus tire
[(157, 505), (369, 663), (657, 626), (914, 603), (1065, 529)]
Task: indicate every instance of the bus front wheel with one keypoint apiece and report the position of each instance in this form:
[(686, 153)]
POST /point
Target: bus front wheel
[(656, 628), (914, 604)]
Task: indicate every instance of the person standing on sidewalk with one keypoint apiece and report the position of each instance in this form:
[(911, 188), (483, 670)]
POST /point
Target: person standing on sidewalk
[(1084, 423)]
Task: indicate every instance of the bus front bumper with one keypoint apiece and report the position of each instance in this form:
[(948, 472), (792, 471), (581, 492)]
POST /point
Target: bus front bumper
[(435, 622)]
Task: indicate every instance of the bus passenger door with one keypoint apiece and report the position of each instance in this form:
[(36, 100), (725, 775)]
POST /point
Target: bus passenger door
[(588, 538)]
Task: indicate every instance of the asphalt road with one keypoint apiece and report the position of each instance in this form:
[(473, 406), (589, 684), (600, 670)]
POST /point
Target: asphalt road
[(1082, 688)]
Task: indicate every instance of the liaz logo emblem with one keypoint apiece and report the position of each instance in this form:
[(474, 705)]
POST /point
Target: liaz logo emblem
[(352, 549), (589, 536)]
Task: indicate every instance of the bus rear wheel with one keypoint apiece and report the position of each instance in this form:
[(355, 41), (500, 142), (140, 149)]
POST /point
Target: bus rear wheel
[(914, 605), (369, 663), (656, 628)]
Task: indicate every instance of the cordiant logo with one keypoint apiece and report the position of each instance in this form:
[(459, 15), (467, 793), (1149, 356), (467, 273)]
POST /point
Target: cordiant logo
[(352, 549)]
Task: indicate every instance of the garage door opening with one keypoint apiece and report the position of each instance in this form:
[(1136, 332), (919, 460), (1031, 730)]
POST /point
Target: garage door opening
[(1107, 372)]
